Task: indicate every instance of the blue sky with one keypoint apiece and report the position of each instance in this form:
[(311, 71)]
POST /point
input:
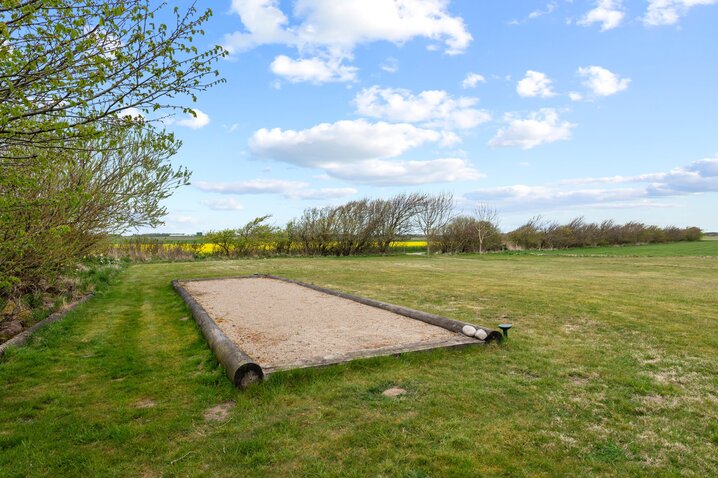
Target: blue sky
[(602, 109)]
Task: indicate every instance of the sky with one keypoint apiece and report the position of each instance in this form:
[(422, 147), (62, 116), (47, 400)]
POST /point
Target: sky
[(604, 109)]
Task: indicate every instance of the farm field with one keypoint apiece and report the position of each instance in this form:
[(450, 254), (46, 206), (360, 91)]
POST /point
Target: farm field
[(611, 370), (198, 247)]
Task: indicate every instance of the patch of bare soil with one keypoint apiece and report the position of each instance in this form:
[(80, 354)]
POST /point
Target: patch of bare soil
[(146, 403), (218, 413), (393, 392)]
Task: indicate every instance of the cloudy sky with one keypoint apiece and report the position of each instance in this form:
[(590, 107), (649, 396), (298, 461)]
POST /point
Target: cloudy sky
[(603, 109)]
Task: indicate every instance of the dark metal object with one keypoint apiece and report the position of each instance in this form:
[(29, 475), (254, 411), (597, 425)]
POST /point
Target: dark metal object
[(505, 329)]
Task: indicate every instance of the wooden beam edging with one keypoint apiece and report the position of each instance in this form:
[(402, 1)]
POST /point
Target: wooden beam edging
[(444, 322), (240, 367), (437, 320), (22, 338), (322, 361)]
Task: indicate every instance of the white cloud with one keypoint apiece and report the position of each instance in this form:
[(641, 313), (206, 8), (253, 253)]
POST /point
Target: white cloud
[(228, 204), (131, 112), (609, 13), (351, 22), (313, 70), (253, 186), (520, 196), (288, 189), (362, 152), (647, 190), (265, 24), (387, 173), (390, 65), (199, 120), (540, 127), (331, 30), (471, 80), (539, 13), (347, 140), (535, 83), (182, 220), (232, 128), (668, 12), (550, 8), (698, 176), (601, 81), (433, 108), (575, 96), (322, 193)]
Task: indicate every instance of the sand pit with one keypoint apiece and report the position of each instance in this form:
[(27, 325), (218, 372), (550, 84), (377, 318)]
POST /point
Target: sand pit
[(280, 325)]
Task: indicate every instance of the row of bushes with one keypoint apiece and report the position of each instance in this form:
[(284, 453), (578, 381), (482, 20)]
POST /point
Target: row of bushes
[(357, 227), (539, 234), (372, 226)]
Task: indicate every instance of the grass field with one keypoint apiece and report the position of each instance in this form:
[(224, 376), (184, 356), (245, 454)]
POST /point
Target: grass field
[(611, 370), (706, 247)]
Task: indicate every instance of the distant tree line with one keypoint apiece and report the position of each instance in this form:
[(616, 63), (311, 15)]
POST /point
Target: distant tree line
[(357, 227), (372, 225), (540, 234)]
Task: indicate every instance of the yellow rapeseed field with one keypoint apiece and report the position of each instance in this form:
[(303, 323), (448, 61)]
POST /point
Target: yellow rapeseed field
[(206, 249)]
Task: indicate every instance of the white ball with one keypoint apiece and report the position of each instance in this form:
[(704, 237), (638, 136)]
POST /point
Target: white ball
[(469, 330), (481, 334)]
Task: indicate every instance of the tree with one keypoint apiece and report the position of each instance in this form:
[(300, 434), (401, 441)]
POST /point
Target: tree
[(354, 226), (433, 214), (68, 65), (223, 239), (314, 230), (255, 237), (57, 208), (394, 217), (73, 167), (486, 223), (529, 236)]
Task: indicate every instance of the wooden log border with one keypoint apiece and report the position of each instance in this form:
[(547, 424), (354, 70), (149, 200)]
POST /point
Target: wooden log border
[(460, 341), (437, 320), (240, 367), (22, 338), (243, 370)]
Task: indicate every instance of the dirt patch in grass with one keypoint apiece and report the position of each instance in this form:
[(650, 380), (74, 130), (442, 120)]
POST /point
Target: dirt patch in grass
[(393, 392), (219, 413), (146, 403)]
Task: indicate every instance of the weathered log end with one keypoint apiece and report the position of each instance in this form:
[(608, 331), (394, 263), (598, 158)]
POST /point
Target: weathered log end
[(240, 367), (247, 374)]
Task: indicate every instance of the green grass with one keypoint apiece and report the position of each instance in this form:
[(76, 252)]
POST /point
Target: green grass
[(611, 371), (706, 247)]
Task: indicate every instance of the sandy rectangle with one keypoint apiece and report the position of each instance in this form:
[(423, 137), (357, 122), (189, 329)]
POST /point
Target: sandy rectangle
[(282, 325)]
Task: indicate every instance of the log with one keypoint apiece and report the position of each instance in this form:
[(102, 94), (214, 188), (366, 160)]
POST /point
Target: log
[(240, 367), (433, 319), (437, 320), (24, 336)]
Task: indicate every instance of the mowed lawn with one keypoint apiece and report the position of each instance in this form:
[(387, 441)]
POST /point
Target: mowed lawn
[(611, 370)]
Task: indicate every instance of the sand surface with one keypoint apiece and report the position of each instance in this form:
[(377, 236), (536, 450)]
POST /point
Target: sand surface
[(279, 324)]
